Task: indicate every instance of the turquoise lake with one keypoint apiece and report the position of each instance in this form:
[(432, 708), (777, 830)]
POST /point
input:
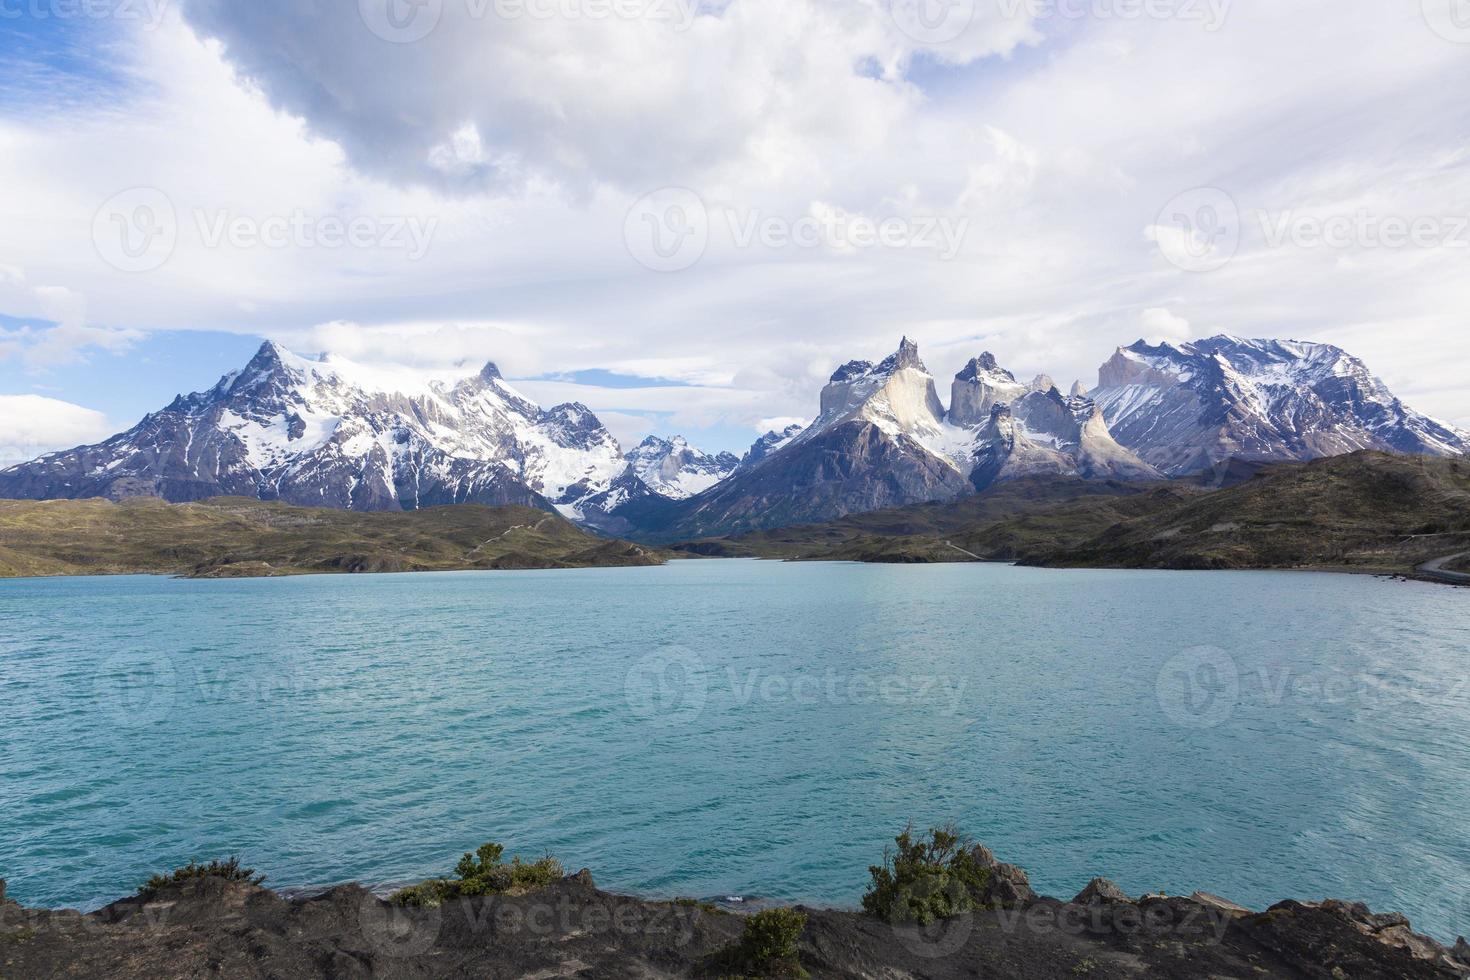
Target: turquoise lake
[(745, 728)]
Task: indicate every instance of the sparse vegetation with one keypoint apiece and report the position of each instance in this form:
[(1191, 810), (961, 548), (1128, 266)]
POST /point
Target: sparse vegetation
[(1367, 511), (482, 873), (926, 880), (235, 537), (767, 947), (228, 870)]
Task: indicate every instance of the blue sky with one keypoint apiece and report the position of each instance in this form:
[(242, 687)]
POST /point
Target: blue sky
[(533, 158)]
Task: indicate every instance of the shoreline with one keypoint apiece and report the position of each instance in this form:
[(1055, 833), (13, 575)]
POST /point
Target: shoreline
[(565, 925)]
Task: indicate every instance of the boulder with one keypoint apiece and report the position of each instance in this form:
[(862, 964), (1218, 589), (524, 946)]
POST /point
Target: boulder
[(1008, 885), (1216, 902), (1100, 890)]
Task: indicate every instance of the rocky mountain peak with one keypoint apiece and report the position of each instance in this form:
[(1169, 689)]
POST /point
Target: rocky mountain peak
[(984, 366), (851, 370), (907, 356), (490, 372), (981, 385), (674, 469)]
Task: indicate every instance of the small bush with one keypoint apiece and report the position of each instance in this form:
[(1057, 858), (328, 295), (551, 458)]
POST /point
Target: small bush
[(926, 880), (767, 947), (771, 935), (229, 870), (482, 873)]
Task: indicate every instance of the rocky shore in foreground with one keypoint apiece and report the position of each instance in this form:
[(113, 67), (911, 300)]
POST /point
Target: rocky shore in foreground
[(212, 926)]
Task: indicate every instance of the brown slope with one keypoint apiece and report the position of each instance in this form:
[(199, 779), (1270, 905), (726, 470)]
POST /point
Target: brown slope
[(244, 537), (1366, 511)]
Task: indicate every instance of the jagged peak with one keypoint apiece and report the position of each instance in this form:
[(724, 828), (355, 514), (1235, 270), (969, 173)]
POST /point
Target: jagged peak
[(984, 366), (490, 372), (850, 370), (907, 356)]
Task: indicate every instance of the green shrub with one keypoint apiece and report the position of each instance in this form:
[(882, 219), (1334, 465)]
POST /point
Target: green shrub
[(924, 881), (767, 947), (482, 873), (229, 870), (771, 935)]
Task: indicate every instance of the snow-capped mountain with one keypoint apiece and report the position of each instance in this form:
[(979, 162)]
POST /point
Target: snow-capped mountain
[(770, 443), (884, 439), (328, 432), (1042, 433), (1186, 407), (332, 433), (672, 468)]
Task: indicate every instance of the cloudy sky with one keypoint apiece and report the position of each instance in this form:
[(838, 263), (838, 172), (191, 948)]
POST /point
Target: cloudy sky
[(685, 214)]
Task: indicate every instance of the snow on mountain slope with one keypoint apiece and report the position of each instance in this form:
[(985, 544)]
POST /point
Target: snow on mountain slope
[(769, 443), (332, 433), (673, 468), (1185, 407), (1028, 429), (896, 395)]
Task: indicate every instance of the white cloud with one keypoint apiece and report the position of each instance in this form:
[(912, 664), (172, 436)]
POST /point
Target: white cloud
[(528, 141), (1160, 325), (32, 425)]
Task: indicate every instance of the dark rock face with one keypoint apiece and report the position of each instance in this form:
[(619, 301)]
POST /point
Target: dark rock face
[(210, 927), (1008, 886), (767, 444), (849, 468), (1100, 890)]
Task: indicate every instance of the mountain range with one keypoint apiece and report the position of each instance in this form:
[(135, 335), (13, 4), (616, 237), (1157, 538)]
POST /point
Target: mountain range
[(327, 432)]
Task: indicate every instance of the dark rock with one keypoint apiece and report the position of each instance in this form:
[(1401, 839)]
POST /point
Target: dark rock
[(1101, 890), (1008, 887), (211, 927)]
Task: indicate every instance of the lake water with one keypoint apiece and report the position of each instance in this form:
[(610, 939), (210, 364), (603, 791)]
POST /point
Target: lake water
[(745, 728)]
